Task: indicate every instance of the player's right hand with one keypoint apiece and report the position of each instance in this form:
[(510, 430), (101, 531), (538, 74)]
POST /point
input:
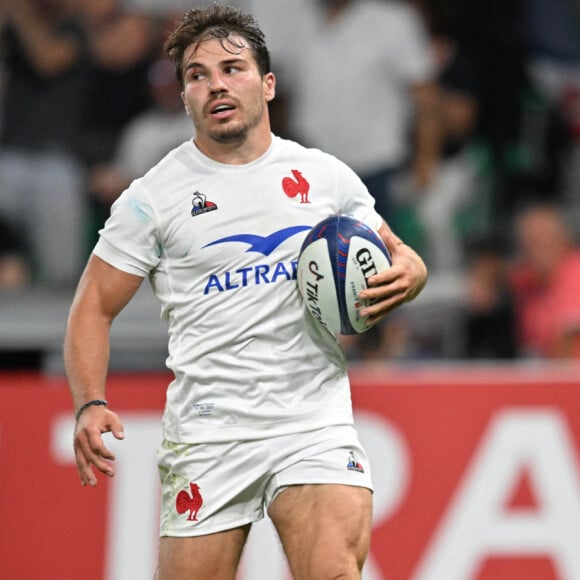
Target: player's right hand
[(90, 450)]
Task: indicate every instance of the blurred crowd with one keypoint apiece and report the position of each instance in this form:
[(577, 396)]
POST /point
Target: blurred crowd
[(461, 116)]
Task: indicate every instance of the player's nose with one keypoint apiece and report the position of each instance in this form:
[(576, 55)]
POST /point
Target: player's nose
[(215, 82)]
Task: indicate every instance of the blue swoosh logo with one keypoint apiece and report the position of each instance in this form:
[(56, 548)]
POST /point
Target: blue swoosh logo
[(262, 244)]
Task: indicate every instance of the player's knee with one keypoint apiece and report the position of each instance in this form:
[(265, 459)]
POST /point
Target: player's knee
[(339, 560), (359, 552), (345, 564), (347, 568)]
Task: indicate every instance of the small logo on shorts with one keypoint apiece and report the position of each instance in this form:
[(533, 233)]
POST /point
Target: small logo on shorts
[(353, 464), (189, 503)]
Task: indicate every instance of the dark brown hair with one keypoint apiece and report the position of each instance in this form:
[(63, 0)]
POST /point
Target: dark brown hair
[(220, 23)]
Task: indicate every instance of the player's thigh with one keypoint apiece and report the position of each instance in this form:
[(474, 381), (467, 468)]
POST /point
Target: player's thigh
[(214, 556), (325, 529)]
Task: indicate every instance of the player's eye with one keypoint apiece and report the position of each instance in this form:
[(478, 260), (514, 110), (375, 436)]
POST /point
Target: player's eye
[(195, 75), (231, 69)]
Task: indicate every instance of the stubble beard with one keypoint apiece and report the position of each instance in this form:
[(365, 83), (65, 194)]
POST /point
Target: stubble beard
[(232, 133), (229, 135)]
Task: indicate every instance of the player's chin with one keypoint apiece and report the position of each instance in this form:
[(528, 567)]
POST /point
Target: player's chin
[(229, 134), (232, 138)]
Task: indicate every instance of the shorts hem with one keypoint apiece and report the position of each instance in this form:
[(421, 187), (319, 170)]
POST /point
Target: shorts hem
[(283, 486), (327, 482), (206, 531)]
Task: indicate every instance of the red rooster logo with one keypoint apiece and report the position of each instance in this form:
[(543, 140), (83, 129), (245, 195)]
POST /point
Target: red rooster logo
[(293, 188), (191, 503)]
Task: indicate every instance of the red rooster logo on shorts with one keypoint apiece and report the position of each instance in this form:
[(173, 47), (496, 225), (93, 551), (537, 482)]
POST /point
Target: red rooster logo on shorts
[(191, 503), (293, 187)]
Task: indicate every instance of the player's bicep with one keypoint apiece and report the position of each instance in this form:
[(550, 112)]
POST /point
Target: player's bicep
[(104, 290)]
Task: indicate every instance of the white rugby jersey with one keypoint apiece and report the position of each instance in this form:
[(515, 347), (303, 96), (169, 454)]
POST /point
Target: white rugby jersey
[(220, 245)]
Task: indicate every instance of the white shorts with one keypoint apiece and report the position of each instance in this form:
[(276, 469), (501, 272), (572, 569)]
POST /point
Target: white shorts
[(212, 487)]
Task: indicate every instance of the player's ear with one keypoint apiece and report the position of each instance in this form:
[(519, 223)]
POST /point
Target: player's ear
[(269, 86)]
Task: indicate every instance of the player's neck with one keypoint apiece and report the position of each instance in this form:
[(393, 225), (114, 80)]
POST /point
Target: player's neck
[(256, 143)]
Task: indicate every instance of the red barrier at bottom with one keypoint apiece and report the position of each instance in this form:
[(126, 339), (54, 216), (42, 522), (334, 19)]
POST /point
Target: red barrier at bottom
[(476, 477)]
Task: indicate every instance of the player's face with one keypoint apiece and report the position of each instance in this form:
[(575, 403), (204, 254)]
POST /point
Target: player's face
[(224, 93)]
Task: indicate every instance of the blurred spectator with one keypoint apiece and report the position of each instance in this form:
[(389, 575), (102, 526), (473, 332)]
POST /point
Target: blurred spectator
[(490, 33), (41, 179), (146, 139), (454, 182), (281, 35), (355, 98), (123, 45), (546, 284), (489, 318), (552, 44), (553, 57)]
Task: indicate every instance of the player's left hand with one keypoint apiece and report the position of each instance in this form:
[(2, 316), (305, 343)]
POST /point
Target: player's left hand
[(396, 285)]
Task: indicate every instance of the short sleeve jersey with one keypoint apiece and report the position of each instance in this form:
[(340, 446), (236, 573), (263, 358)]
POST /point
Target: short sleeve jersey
[(220, 245)]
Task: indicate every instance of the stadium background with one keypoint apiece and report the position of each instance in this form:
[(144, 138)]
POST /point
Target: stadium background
[(476, 462)]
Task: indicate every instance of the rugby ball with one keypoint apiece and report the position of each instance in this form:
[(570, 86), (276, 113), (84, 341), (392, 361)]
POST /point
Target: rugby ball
[(337, 258)]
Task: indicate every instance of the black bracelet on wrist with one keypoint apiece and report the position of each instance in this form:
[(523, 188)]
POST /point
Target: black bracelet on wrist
[(89, 404)]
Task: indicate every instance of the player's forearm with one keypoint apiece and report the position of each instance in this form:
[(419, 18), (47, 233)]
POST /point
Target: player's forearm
[(86, 356)]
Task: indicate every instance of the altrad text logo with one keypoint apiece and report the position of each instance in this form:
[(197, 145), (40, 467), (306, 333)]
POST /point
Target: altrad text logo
[(255, 275)]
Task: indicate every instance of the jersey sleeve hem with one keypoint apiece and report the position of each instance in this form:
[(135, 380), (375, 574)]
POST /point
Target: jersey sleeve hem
[(113, 256)]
